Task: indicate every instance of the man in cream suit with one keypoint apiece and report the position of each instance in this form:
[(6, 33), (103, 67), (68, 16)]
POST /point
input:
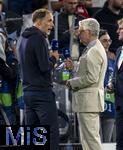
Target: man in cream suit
[(87, 85)]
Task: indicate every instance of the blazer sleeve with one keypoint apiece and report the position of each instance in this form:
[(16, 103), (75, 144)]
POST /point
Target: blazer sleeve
[(93, 70)]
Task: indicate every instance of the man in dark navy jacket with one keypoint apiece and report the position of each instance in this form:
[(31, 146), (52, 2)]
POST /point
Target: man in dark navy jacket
[(118, 89), (36, 66)]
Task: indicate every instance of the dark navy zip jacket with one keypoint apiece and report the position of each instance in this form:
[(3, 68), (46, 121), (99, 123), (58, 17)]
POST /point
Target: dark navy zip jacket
[(36, 66)]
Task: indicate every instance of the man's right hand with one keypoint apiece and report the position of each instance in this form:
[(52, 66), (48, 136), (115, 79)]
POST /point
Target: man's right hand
[(55, 54), (69, 64), (110, 88)]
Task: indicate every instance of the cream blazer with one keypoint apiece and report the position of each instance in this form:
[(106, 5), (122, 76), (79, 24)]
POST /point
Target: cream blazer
[(87, 85)]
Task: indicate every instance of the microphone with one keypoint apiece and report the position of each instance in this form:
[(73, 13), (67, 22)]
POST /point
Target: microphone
[(54, 45), (66, 53)]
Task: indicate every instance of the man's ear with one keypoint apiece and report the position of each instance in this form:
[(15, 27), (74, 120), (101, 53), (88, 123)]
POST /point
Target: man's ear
[(38, 22)]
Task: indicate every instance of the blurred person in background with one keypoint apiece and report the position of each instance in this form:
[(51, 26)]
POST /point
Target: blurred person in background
[(107, 117), (117, 86), (98, 3), (66, 29), (82, 8), (9, 81), (20, 7), (10, 21), (37, 4), (56, 5), (108, 17), (87, 8)]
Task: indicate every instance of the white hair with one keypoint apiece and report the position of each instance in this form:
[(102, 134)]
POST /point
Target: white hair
[(90, 24)]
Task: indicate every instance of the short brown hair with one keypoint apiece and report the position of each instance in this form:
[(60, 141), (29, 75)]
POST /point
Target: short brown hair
[(39, 14), (120, 21)]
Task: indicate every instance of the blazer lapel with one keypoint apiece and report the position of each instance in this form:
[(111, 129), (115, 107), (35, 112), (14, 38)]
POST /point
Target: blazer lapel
[(121, 67), (117, 59)]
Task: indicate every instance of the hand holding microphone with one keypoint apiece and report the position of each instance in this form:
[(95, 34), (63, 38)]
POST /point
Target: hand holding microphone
[(69, 64), (54, 45), (110, 88), (55, 54), (54, 49)]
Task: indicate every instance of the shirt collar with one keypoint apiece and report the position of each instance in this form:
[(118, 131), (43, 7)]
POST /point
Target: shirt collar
[(91, 44)]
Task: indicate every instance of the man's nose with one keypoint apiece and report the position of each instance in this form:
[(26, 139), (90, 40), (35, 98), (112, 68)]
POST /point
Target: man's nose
[(117, 31)]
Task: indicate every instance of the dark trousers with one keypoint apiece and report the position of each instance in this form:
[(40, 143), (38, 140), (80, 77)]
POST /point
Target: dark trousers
[(107, 126), (119, 130), (41, 109)]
